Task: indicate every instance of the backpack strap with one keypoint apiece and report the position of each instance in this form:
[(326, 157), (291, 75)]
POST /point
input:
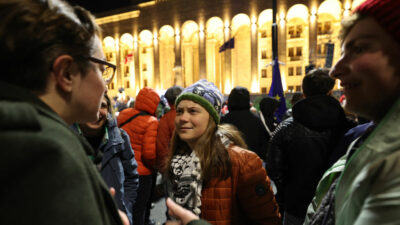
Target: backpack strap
[(141, 113)]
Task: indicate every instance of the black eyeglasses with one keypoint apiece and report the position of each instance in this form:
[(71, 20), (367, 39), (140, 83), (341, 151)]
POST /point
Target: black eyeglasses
[(109, 70)]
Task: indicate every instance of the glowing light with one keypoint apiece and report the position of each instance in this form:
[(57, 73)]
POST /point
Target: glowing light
[(254, 86), (332, 7), (253, 19), (347, 5), (109, 42), (127, 40), (283, 77), (201, 27), (313, 18), (282, 16), (313, 11), (228, 86), (226, 24), (298, 11)]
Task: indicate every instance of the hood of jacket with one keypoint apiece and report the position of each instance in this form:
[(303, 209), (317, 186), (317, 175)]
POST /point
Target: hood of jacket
[(319, 113), (113, 131), (239, 99), (147, 100)]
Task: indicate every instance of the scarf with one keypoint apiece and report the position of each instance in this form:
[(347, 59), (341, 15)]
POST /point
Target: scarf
[(187, 183)]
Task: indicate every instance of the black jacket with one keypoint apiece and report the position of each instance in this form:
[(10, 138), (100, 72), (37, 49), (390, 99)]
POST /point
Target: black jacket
[(255, 135), (300, 148)]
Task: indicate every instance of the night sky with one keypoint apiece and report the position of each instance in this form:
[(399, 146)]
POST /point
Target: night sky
[(104, 6)]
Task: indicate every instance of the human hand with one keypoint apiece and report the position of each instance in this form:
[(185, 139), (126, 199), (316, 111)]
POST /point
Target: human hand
[(122, 215), (183, 215)]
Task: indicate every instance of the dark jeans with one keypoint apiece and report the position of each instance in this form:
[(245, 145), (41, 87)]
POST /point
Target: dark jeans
[(143, 198)]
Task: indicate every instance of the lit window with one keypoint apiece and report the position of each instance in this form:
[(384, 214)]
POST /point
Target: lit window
[(264, 90), (263, 33), (299, 31), (299, 71), (291, 32), (327, 27), (291, 52), (264, 73), (263, 54), (291, 70), (299, 51)]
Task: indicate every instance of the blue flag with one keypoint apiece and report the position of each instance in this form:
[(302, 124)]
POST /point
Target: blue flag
[(276, 90)]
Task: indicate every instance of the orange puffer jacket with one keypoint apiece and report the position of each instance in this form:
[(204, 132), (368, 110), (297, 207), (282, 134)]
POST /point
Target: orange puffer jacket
[(142, 130), (166, 128), (244, 198)]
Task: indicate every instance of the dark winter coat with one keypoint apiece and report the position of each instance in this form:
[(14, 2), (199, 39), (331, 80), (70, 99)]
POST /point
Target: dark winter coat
[(253, 130), (119, 167), (300, 148), (46, 173)]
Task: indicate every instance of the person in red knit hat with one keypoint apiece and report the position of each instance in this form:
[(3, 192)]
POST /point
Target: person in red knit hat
[(363, 187)]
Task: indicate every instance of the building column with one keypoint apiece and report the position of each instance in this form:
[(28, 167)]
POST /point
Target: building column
[(227, 70), (313, 39), (118, 61), (255, 87), (156, 59), (202, 54), (178, 69), (137, 64)]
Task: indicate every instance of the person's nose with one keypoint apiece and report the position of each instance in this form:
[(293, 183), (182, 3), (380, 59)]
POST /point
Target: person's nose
[(340, 68)]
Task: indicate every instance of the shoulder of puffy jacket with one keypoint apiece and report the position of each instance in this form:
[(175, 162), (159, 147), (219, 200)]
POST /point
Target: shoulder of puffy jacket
[(125, 114), (243, 156)]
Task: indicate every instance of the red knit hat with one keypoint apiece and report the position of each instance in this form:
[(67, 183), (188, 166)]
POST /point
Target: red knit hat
[(385, 12)]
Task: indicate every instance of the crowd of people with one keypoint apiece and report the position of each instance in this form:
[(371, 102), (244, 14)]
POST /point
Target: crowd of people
[(72, 155)]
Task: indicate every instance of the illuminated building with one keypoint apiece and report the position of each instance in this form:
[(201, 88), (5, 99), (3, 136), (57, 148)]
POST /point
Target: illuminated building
[(176, 42)]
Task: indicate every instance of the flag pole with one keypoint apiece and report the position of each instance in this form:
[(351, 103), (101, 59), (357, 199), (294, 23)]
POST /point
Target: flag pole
[(274, 32)]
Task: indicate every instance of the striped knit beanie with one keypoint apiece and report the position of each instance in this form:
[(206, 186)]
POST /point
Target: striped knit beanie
[(385, 12), (205, 94)]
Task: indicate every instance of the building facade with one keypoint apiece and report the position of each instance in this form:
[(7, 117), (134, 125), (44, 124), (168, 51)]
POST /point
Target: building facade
[(163, 43)]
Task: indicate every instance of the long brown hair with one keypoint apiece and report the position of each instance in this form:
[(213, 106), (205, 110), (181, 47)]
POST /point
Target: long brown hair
[(214, 158)]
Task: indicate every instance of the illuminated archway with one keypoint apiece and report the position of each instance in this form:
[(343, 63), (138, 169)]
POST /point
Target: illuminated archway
[(297, 44), (265, 50), (110, 53), (146, 59), (127, 63), (167, 56), (214, 59), (190, 52), (241, 53), (328, 26)]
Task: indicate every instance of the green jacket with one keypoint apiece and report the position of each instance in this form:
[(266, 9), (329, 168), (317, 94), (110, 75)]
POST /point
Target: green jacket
[(368, 191), (47, 177)]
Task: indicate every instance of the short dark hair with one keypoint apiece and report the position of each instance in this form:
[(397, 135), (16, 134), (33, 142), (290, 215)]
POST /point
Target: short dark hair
[(317, 82), (35, 32), (172, 93)]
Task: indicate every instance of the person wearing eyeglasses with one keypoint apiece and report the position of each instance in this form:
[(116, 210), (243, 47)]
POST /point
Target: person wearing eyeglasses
[(52, 76), (113, 156)]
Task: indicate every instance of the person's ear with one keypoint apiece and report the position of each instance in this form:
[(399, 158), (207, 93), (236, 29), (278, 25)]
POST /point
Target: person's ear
[(64, 70)]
